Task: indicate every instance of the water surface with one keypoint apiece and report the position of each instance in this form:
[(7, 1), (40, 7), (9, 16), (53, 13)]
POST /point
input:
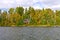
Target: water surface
[(29, 33)]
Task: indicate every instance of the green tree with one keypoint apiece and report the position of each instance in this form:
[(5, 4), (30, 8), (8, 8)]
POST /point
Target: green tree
[(31, 11), (20, 10), (20, 22), (11, 10), (0, 11)]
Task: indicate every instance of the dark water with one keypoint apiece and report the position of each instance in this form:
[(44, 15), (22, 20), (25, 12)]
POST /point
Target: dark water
[(27, 33)]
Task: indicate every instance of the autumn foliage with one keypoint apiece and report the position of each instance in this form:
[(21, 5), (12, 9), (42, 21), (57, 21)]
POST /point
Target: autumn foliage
[(20, 16)]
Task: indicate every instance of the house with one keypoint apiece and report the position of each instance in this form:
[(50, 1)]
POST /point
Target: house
[(26, 21)]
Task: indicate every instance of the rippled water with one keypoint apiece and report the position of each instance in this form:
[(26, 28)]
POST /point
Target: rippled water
[(27, 33)]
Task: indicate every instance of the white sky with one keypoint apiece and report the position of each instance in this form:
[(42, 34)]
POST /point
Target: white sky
[(53, 4)]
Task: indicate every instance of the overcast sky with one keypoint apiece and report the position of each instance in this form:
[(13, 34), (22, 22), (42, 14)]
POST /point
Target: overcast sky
[(53, 4)]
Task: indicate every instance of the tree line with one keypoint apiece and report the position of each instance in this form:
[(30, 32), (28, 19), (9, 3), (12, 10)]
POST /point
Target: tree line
[(29, 16)]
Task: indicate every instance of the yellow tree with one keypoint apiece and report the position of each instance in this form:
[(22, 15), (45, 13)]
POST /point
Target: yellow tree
[(4, 18), (57, 17), (13, 19)]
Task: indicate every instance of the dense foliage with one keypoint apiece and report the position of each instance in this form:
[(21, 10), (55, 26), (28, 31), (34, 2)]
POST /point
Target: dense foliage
[(29, 16)]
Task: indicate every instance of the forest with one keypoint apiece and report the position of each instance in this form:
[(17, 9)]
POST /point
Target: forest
[(20, 16)]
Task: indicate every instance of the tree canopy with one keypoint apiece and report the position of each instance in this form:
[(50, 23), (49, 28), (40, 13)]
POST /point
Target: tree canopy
[(20, 16)]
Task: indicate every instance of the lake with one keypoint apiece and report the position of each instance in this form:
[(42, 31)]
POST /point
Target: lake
[(29, 33)]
